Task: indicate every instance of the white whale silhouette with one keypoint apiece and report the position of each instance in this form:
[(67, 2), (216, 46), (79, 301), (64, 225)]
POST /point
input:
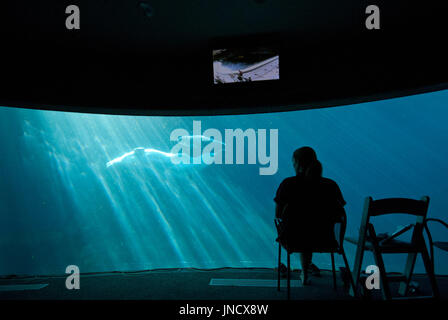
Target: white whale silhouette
[(139, 153), (142, 153), (199, 137)]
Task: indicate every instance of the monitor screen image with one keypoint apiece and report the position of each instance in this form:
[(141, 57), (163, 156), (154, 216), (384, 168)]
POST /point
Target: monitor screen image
[(245, 65)]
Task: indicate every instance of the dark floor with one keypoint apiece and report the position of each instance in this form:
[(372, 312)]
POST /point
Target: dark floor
[(187, 284)]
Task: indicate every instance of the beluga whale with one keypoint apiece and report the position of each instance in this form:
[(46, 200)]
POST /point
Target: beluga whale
[(143, 156)]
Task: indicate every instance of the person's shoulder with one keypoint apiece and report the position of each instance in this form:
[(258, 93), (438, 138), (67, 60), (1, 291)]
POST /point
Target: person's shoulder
[(285, 188), (331, 187), (288, 181), (291, 180), (329, 182)]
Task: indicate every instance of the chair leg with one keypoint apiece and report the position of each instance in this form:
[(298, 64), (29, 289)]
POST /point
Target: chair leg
[(279, 264), (289, 274), (430, 271), (385, 290), (359, 254), (349, 273), (408, 270), (334, 271), (383, 275)]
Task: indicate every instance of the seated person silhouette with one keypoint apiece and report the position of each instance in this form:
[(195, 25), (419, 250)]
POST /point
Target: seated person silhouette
[(309, 206)]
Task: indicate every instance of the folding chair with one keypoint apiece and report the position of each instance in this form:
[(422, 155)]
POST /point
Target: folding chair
[(368, 240), (443, 245), (339, 229)]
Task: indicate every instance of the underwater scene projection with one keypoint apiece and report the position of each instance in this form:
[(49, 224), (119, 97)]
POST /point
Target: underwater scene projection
[(124, 193)]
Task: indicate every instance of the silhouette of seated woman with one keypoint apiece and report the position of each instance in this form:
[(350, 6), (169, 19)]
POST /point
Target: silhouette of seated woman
[(309, 206)]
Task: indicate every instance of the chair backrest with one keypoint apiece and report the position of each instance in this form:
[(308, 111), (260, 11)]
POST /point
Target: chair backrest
[(374, 208), (398, 205)]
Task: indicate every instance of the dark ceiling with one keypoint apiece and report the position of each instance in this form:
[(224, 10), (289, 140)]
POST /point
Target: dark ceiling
[(154, 56)]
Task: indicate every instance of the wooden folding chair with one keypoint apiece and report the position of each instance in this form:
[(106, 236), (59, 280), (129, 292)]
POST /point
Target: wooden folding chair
[(368, 240), (443, 245), (339, 229)]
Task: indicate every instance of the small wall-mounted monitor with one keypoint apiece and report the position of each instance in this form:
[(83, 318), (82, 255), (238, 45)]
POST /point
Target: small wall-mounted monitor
[(245, 65)]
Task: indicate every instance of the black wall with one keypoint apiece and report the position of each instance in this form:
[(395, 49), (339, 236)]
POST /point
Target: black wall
[(124, 60)]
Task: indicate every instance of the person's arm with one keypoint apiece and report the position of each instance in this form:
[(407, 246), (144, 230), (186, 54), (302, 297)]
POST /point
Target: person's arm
[(334, 191), (341, 202)]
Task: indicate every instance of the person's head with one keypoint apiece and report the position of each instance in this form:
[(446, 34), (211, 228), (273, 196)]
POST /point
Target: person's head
[(302, 159)]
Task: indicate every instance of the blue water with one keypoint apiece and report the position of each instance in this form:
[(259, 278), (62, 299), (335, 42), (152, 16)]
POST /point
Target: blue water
[(60, 204)]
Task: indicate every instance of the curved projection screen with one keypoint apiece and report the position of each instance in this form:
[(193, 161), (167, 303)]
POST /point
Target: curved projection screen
[(111, 193)]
